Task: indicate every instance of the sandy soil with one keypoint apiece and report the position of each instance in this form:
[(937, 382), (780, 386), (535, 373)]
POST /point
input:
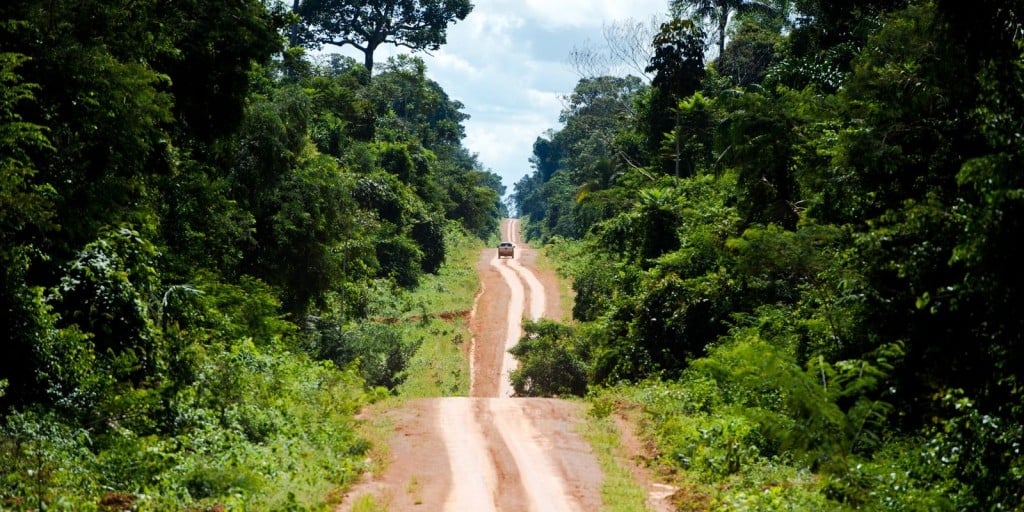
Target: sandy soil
[(491, 451)]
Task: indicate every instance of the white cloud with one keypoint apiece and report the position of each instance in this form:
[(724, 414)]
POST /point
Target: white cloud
[(516, 69), (591, 13), (546, 101), (489, 23), (510, 142), (454, 64)]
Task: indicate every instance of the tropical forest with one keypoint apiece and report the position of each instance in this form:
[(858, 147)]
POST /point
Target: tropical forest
[(789, 235)]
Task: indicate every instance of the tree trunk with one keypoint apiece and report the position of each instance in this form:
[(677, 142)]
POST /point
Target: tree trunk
[(293, 31), (679, 135), (371, 47), (368, 60), (723, 24)]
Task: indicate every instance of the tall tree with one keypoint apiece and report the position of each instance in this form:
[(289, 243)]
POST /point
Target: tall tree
[(678, 67), (718, 13), (596, 112), (678, 62), (750, 54), (419, 25)]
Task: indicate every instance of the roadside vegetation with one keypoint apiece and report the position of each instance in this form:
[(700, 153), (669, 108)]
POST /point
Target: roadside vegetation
[(620, 492), (795, 258), (439, 321), (216, 250), (435, 316)]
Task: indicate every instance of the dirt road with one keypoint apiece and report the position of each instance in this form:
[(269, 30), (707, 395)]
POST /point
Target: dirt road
[(489, 451), (525, 290)]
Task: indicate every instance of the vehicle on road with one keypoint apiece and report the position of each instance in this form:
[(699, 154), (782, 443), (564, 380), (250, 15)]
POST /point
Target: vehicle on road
[(506, 249)]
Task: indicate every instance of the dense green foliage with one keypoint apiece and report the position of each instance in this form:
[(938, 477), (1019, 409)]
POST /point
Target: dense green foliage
[(203, 236), (807, 264), (550, 365)]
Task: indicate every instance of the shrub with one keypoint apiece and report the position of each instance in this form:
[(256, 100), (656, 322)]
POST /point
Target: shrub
[(377, 351), (400, 259), (548, 362), (44, 459)]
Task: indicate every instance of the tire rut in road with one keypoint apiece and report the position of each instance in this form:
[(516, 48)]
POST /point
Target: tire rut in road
[(491, 452), (513, 455), (513, 324), (538, 473)]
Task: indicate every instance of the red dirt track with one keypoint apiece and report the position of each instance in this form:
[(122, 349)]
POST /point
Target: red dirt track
[(491, 451)]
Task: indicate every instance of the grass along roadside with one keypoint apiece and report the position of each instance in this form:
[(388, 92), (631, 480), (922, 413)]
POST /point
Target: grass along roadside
[(619, 491), (439, 320), (565, 292)]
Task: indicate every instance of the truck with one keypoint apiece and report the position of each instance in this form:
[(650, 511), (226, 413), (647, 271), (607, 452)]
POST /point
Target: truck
[(506, 249)]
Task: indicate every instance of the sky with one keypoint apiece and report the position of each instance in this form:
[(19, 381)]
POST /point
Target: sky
[(508, 62)]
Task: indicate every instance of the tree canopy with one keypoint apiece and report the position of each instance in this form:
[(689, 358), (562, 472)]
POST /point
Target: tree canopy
[(420, 25)]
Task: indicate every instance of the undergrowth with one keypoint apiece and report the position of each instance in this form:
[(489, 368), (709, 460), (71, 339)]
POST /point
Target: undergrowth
[(619, 491), (255, 412), (738, 436), (438, 320), (262, 429)]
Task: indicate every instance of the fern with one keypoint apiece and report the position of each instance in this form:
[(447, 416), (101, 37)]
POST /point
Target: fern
[(822, 414)]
